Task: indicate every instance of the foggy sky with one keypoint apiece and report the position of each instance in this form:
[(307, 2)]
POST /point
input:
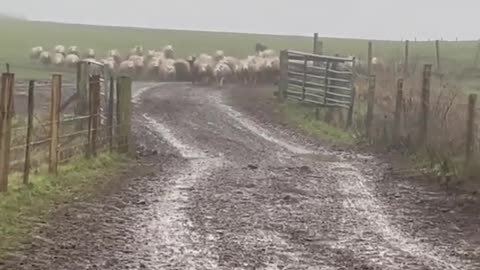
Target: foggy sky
[(372, 19)]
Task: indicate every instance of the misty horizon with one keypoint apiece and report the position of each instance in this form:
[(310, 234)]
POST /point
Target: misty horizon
[(388, 21)]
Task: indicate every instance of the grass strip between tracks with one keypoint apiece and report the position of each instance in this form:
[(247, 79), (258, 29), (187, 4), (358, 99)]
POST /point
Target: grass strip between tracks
[(23, 208)]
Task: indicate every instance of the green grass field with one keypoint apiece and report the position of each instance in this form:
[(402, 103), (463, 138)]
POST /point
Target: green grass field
[(18, 36)]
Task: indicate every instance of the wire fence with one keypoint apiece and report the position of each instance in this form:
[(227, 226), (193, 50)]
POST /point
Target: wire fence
[(54, 122)]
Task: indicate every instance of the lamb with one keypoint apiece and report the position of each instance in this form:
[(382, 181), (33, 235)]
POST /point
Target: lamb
[(45, 58), (60, 49), (116, 56), (71, 60), (202, 69), (35, 52), (153, 68), (109, 63), (168, 52)]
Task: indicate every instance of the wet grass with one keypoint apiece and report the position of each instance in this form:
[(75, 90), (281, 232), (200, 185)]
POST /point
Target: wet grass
[(24, 207), (21, 35), (303, 117)]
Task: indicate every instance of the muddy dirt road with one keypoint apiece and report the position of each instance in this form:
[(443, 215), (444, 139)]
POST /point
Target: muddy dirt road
[(219, 188)]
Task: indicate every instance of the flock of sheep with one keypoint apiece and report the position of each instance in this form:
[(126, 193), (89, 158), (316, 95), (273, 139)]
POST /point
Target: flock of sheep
[(162, 65)]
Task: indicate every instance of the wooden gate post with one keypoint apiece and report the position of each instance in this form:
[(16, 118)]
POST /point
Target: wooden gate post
[(94, 111), (470, 141), (110, 125), (351, 109), (315, 43), (283, 84), (81, 108), (6, 114), (56, 99), (398, 112), (425, 104), (26, 168), (124, 97), (370, 105)]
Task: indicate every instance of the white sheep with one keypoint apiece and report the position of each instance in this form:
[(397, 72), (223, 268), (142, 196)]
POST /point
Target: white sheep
[(71, 60), (90, 53), (219, 55), (109, 63), (73, 50), (222, 72), (168, 52), (137, 50), (35, 52), (168, 69), (127, 67), (58, 59), (45, 58), (60, 49), (269, 53)]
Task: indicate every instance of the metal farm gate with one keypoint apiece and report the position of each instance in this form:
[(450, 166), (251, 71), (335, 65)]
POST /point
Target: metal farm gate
[(325, 81)]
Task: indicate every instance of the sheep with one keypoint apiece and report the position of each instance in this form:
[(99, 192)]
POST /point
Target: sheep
[(202, 69), (233, 63), (60, 49), (259, 47), (243, 72), (90, 53), (58, 59), (73, 50), (152, 68), (219, 55), (45, 58), (222, 72), (35, 52), (167, 70), (168, 52), (182, 69), (115, 54), (109, 63), (127, 67), (267, 53), (137, 50), (272, 67), (138, 63), (71, 60)]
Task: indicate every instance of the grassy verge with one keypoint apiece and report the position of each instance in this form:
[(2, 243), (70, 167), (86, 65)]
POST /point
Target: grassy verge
[(303, 117), (23, 207)]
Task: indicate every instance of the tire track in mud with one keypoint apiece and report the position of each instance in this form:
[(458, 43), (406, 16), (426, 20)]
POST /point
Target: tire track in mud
[(361, 203), (172, 242)]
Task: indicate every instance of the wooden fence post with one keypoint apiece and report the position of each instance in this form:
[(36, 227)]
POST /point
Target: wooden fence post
[(81, 108), (56, 99), (369, 56), (437, 53), (470, 142), (370, 105), (351, 109), (124, 94), (406, 64), (110, 125), (425, 104), (283, 84), (398, 111), (94, 111), (7, 66), (6, 114), (315, 43), (26, 168)]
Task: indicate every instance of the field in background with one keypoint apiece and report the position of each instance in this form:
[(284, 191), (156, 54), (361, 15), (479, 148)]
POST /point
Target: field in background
[(18, 36)]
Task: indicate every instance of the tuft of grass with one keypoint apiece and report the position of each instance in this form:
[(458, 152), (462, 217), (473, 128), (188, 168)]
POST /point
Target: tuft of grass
[(22, 207), (303, 117)]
